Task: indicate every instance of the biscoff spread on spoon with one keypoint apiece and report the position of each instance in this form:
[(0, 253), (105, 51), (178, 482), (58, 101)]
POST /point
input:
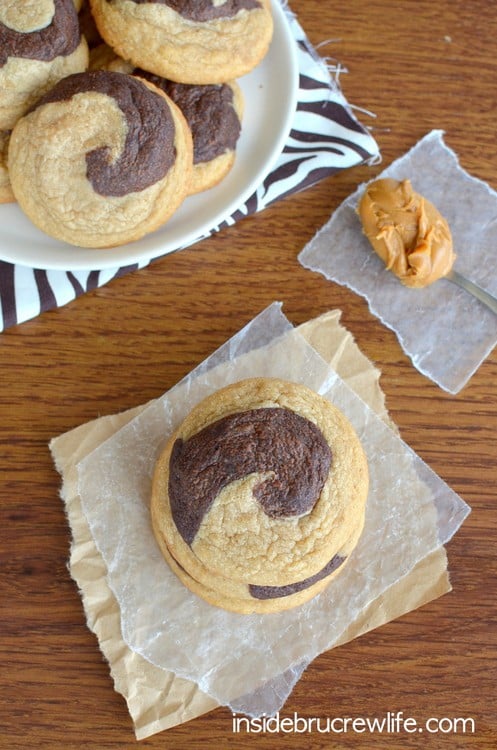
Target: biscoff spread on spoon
[(408, 233)]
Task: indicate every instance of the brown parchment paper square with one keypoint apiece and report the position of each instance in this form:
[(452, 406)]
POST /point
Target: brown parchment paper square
[(156, 698)]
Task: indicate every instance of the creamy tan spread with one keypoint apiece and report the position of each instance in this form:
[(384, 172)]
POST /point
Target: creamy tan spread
[(408, 233)]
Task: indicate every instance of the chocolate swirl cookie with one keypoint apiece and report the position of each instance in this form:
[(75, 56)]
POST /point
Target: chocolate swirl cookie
[(40, 43), (213, 113), (259, 497), (198, 42), (102, 159), (205, 10)]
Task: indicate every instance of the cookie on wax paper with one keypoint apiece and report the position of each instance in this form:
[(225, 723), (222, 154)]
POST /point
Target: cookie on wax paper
[(259, 496)]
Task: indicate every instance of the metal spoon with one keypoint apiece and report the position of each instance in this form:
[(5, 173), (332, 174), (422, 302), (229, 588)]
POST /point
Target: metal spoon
[(485, 297)]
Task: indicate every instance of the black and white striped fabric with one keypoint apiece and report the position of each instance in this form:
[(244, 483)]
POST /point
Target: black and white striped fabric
[(325, 138)]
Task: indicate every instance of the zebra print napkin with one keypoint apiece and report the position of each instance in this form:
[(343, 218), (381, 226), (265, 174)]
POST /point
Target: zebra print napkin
[(325, 138)]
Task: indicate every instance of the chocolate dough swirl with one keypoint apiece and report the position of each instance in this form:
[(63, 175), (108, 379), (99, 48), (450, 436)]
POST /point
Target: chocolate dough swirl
[(209, 111), (274, 440), (149, 150), (273, 592), (205, 10), (61, 37)]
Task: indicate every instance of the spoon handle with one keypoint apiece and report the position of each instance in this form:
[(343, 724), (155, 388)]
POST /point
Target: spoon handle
[(485, 297)]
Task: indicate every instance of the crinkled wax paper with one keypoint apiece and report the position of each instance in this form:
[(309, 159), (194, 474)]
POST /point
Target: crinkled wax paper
[(445, 331), (258, 658)]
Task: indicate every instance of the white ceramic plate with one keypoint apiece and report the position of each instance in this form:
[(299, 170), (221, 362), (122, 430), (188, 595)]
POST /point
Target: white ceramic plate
[(270, 93)]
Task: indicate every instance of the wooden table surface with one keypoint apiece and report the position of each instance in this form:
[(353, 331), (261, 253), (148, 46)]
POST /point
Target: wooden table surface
[(417, 66)]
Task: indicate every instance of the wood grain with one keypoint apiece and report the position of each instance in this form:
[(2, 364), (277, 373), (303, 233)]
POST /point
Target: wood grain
[(416, 66)]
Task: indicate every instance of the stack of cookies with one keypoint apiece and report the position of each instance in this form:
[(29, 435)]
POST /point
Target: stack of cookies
[(259, 497), (101, 146)]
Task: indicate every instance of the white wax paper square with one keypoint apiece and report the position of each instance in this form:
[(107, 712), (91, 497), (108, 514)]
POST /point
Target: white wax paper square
[(445, 331), (251, 662)]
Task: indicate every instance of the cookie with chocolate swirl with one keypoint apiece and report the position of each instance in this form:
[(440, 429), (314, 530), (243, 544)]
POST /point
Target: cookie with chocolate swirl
[(213, 112), (188, 41), (40, 43), (259, 497), (102, 159)]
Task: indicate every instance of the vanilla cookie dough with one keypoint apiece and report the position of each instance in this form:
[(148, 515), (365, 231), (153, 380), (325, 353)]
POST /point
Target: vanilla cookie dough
[(6, 194), (259, 497), (407, 231), (103, 159), (188, 41), (40, 43)]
